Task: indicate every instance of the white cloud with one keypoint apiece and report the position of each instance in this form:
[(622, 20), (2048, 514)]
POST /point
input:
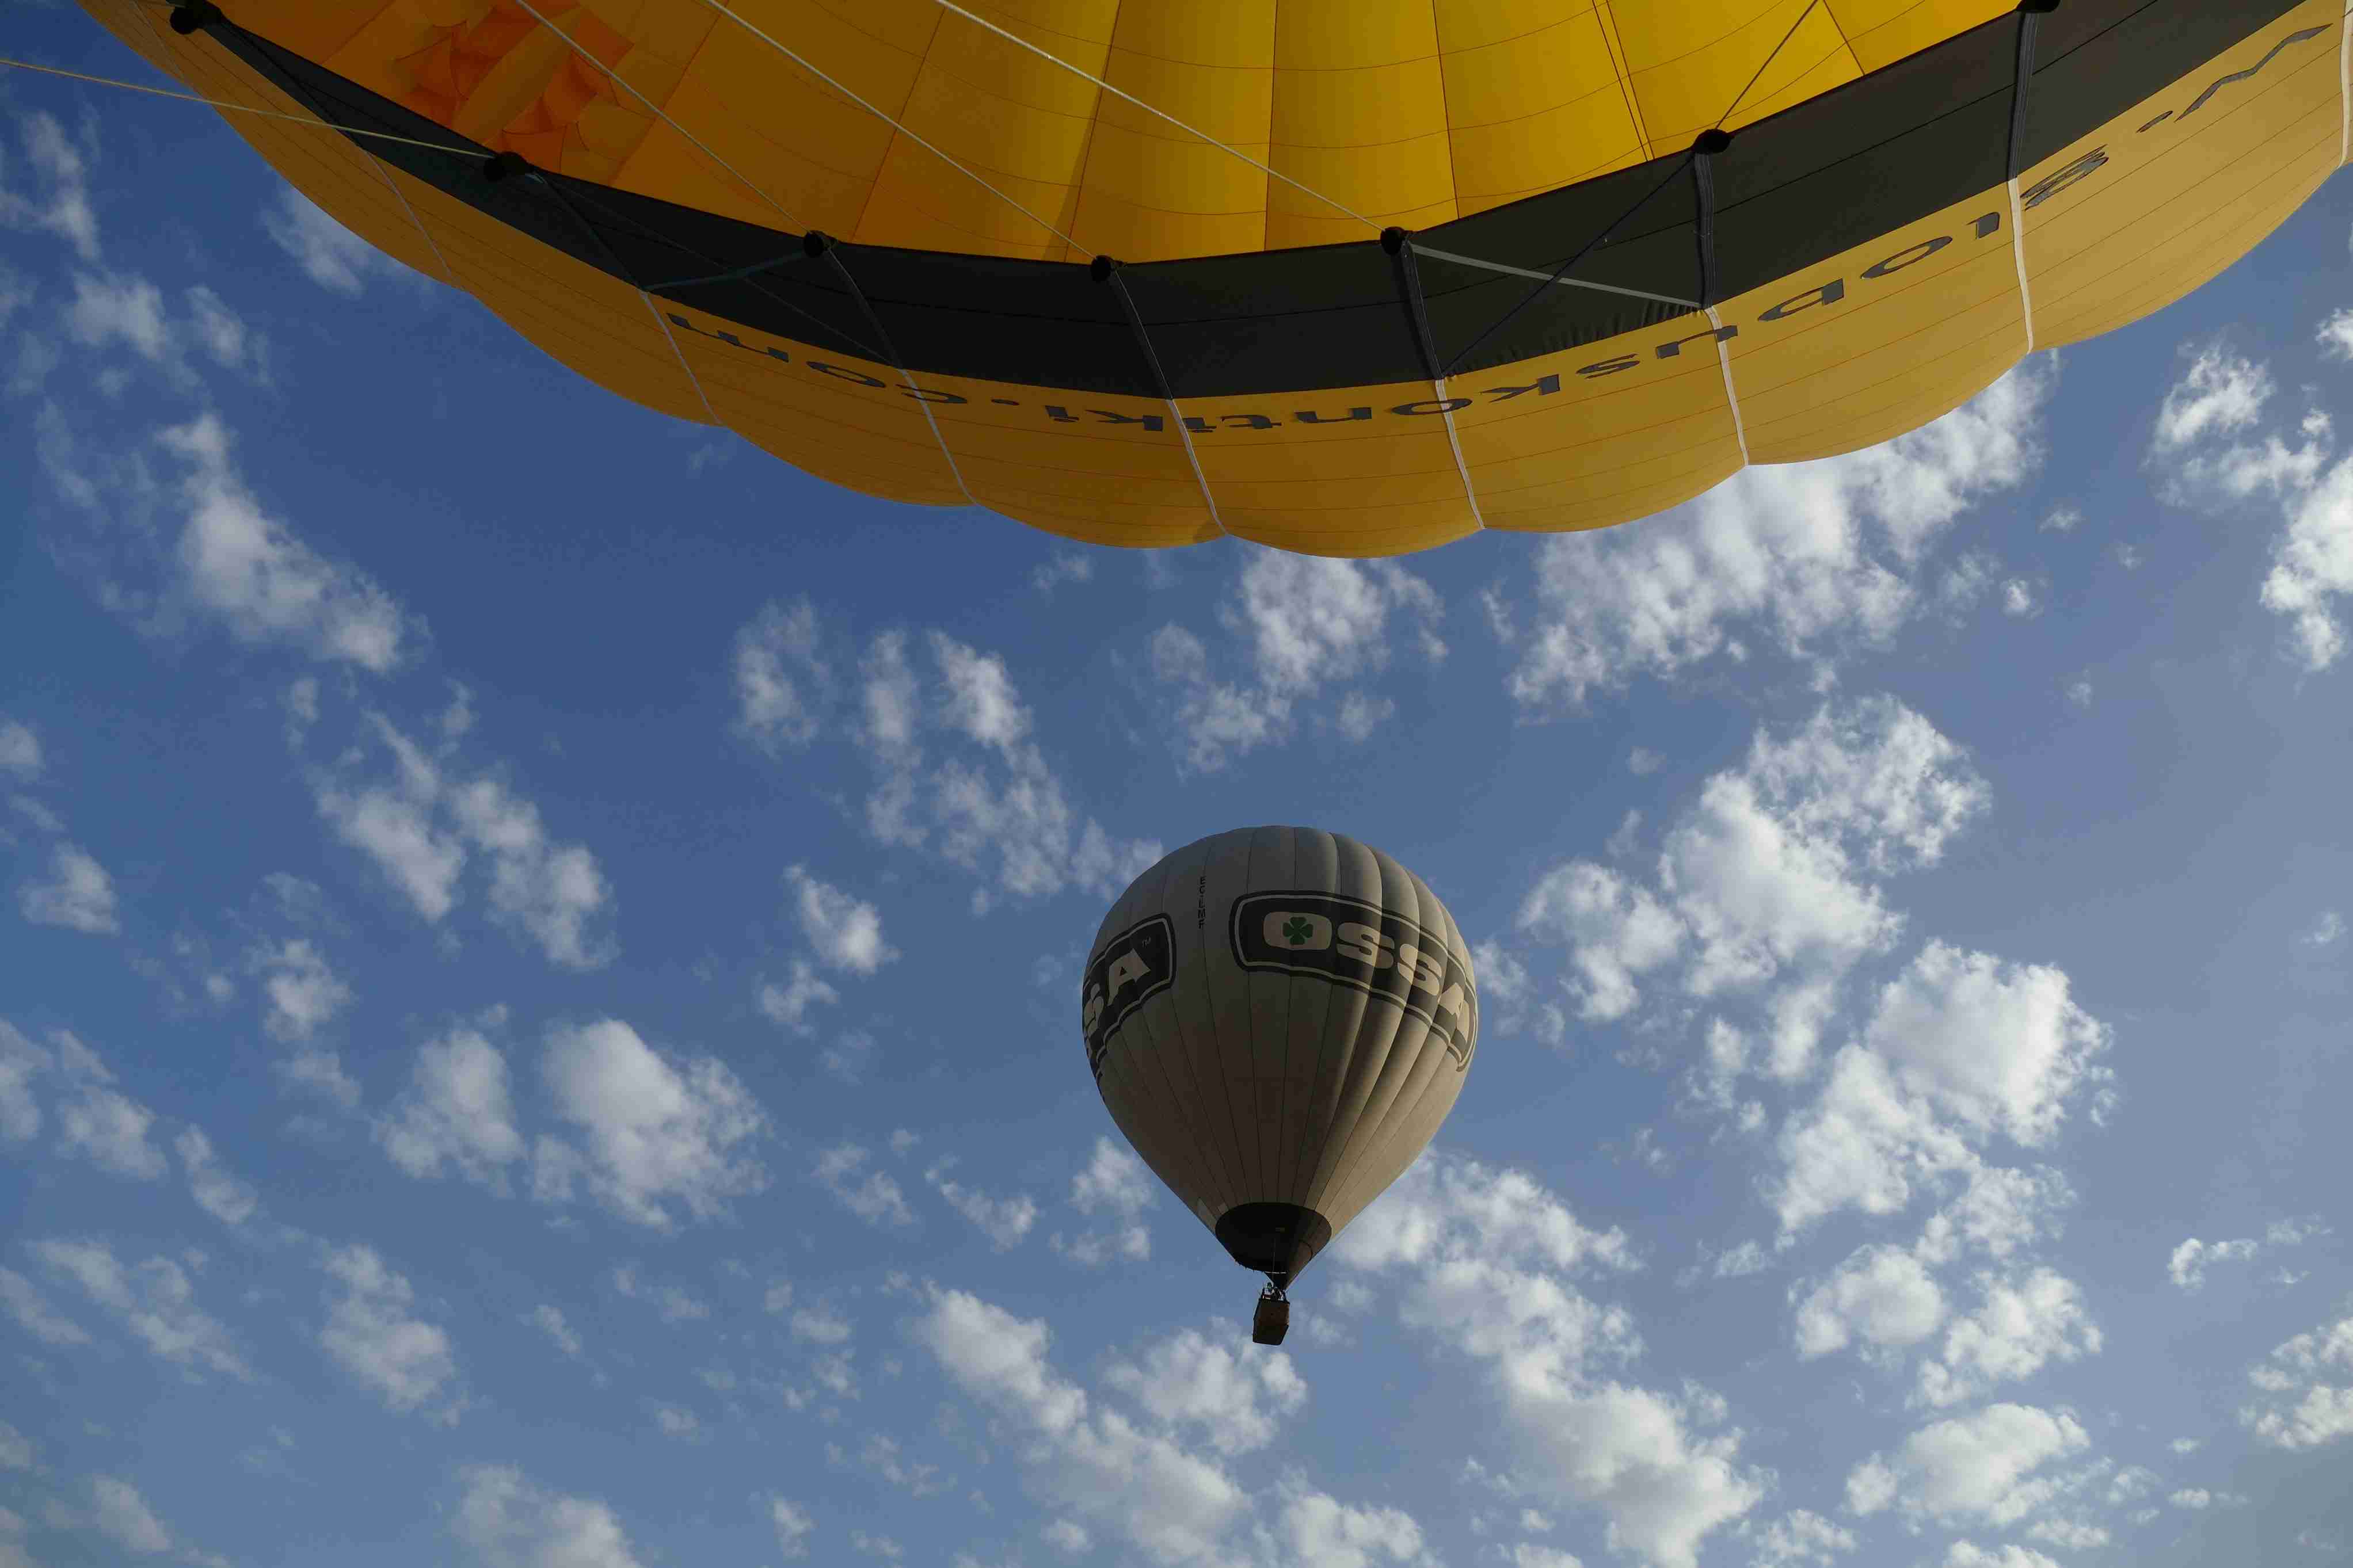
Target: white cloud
[(2312, 567), (1968, 1554), (1066, 1536), (20, 750), (549, 1319), (2325, 930), (417, 827), (2021, 1323), (303, 994), (371, 1333), (456, 1110), (1232, 1401), (2000, 1047), (35, 1315), (1801, 1539), (506, 1521), (1005, 1221), (1880, 1296), (793, 1526), (64, 207), (123, 1517), (2335, 335), (79, 894), (1114, 1183), (1800, 554), (15, 1449), (21, 1062), (100, 1123), (1975, 1467), (656, 1132), (126, 311), (330, 255), (1067, 566), (985, 798), (217, 1191), (261, 581), (2188, 1263), (1168, 1505), (1762, 894), (1311, 623), (155, 1301), (873, 1196), (789, 1003), (783, 680), (2302, 1411), (1486, 1257), (2220, 393), (846, 931)]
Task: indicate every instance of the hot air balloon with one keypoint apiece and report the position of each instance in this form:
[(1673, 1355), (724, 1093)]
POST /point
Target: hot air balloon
[(1343, 277), (1278, 1019)]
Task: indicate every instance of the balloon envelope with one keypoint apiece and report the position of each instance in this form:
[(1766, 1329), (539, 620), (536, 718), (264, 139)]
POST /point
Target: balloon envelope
[(1279, 1020), (1780, 230)]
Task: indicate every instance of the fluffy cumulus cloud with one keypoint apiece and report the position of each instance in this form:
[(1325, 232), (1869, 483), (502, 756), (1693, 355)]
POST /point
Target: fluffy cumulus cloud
[(506, 1520), (252, 572), (656, 1132), (845, 932), (2307, 1389), (1881, 1297), (422, 825), (1981, 1467), (1005, 1221), (77, 894), (1960, 1048), (457, 1112), (20, 750), (957, 768), (373, 1332), (1764, 891), (218, 1190), (2210, 443), (1117, 1188), (2021, 1323), (1485, 1260), (1231, 1402), (153, 1301), (873, 1196), (1313, 625), (95, 1121), (1132, 1480), (783, 682), (123, 1517), (1798, 556), (55, 197), (300, 991)]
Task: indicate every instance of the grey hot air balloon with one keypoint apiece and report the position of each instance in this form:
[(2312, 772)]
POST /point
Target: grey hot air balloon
[(1278, 1019)]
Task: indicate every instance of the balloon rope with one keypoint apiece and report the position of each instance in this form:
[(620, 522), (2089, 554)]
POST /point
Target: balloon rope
[(1768, 61), (239, 107), (611, 75), (1052, 58), (888, 119)]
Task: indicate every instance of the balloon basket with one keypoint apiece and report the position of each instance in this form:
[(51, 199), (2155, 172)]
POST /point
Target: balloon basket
[(1273, 1319)]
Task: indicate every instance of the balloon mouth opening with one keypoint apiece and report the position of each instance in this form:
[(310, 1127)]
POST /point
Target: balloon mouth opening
[(1278, 1240)]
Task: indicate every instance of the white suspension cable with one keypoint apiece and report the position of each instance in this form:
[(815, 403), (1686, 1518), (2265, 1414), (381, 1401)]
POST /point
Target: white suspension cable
[(237, 108), (1052, 59), (614, 77), (1563, 281), (890, 120)]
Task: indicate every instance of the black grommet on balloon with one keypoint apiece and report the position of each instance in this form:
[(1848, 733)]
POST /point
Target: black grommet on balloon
[(2036, 8), (1102, 268), (1393, 239), (194, 15), (1712, 141), (815, 243), (507, 165)]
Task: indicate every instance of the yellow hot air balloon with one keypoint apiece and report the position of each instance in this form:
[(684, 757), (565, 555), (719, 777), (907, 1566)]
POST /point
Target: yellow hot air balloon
[(1346, 277), (1278, 1019)]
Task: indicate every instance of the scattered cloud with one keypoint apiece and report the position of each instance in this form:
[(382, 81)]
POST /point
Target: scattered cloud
[(371, 1332), (78, 894)]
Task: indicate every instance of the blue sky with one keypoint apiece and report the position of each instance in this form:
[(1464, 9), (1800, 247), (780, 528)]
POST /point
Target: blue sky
[(537, 1008)]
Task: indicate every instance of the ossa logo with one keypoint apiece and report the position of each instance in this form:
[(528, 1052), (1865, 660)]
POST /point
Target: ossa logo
[(1133, 967), (1360, 945)]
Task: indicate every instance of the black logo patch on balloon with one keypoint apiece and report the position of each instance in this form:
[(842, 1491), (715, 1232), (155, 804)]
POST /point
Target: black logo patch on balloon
[(1135, 966), (1364, 946)]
